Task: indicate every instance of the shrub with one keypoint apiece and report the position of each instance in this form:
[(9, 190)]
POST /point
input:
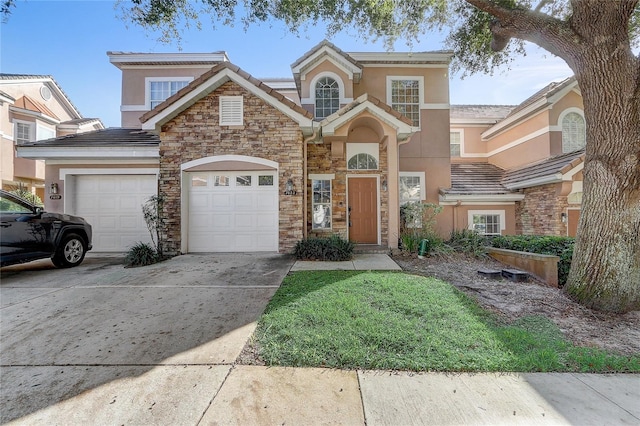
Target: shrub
[(468, 241), (141, 254), (541, 244), (416, 224), (333, 248)]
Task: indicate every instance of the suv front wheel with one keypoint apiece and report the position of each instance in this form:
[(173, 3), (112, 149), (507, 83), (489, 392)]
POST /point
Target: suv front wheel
[(70, 252)]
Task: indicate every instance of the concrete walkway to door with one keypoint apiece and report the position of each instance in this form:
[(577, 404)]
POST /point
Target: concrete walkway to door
[(360, 262)]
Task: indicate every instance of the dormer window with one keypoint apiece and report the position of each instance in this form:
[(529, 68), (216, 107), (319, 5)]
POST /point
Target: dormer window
[(327, 94)]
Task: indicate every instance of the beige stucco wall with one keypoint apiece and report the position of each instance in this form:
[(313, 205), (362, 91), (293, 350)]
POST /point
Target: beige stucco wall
[(133, 90), (374, 82), (32, 90), (570, 100)]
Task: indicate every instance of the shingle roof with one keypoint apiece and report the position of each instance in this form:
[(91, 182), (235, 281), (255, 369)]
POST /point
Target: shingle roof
[(114, 136), (476, 179), (545, 92), (559, 164), (211, 73), (489, 112)]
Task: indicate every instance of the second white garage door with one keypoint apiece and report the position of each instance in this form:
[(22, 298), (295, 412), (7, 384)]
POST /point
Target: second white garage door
[(112, 204), (233, 211)]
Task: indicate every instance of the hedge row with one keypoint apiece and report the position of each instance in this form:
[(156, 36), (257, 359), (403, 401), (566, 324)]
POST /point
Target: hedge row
[(332, 248), (557, 246)]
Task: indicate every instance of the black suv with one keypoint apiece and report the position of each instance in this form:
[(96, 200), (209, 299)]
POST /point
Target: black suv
[(28, 233)]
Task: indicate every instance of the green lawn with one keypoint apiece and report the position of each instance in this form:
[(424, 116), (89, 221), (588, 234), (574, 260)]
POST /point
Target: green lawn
[(391, 320)]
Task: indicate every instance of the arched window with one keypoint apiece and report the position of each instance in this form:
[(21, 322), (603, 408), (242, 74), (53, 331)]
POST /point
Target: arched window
[(362, 161), (573, 132), (327, 97)]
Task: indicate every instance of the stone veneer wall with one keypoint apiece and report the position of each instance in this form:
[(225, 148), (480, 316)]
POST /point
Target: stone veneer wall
[(266, 133), (319, 161), (540, 213)]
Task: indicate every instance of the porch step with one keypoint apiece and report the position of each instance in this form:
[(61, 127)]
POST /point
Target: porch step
[(493, 274), (370, 249), (515, 275)]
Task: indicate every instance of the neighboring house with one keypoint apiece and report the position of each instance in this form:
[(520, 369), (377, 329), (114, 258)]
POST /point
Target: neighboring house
[(32, 108), (518, 169), (255, 165)]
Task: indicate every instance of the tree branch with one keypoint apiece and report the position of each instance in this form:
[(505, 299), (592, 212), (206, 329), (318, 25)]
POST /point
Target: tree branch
[(550, 33)]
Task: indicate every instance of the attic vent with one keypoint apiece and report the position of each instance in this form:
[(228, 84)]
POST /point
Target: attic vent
[(231, 110)]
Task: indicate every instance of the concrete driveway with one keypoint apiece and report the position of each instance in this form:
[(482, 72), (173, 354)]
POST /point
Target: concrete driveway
[(123, 334)]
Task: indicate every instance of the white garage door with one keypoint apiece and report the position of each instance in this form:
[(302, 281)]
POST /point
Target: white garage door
[(112, 204), (233, 211)]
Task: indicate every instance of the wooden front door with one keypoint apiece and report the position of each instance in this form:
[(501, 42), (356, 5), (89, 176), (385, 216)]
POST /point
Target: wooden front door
[(363, 210), (572, 222)]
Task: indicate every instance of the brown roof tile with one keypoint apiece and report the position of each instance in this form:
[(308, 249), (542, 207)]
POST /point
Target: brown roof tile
[(545, 92), (548, 167), (476, 179)]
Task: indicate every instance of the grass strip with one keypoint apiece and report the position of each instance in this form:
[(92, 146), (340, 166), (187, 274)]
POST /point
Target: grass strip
[(397, 321)]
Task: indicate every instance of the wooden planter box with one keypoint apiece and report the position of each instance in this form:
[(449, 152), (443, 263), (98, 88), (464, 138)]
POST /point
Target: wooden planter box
[(542, 266)]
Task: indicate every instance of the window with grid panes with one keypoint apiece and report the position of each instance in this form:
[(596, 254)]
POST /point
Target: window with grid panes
[(159, 91), (454, 143), (405, 98), (574, 136), (487, 224), (321, 204), (327, 97)]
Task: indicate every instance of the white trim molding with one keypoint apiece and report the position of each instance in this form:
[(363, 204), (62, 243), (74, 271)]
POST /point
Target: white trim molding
[(149, 80), (108, 171), (219, 158), (423, 183)]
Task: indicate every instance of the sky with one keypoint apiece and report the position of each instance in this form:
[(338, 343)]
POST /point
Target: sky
[(69, 41)]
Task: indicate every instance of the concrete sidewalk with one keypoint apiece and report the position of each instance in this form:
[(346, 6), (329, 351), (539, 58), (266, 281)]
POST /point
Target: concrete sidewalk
[(252, 395)]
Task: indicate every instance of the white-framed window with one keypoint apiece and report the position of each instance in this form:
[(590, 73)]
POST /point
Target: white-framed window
[(405, 95), (158, 89), (363, 156), (487, 222), (412, 187), (321, 204), (327, 97), (24, 132), (231, 111), (455, 142), (574, 132)]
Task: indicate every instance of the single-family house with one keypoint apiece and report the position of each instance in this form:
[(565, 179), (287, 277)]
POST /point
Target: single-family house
[(33, 107), (248, 164)]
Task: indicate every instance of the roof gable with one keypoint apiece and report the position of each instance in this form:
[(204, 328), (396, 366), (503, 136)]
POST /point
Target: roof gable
[(326, 50), (27, 104), (376, 107), (541, 100), (50, 82), (213, 79)]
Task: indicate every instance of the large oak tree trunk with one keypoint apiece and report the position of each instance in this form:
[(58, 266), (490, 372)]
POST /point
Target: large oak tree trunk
[(605, 271)]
